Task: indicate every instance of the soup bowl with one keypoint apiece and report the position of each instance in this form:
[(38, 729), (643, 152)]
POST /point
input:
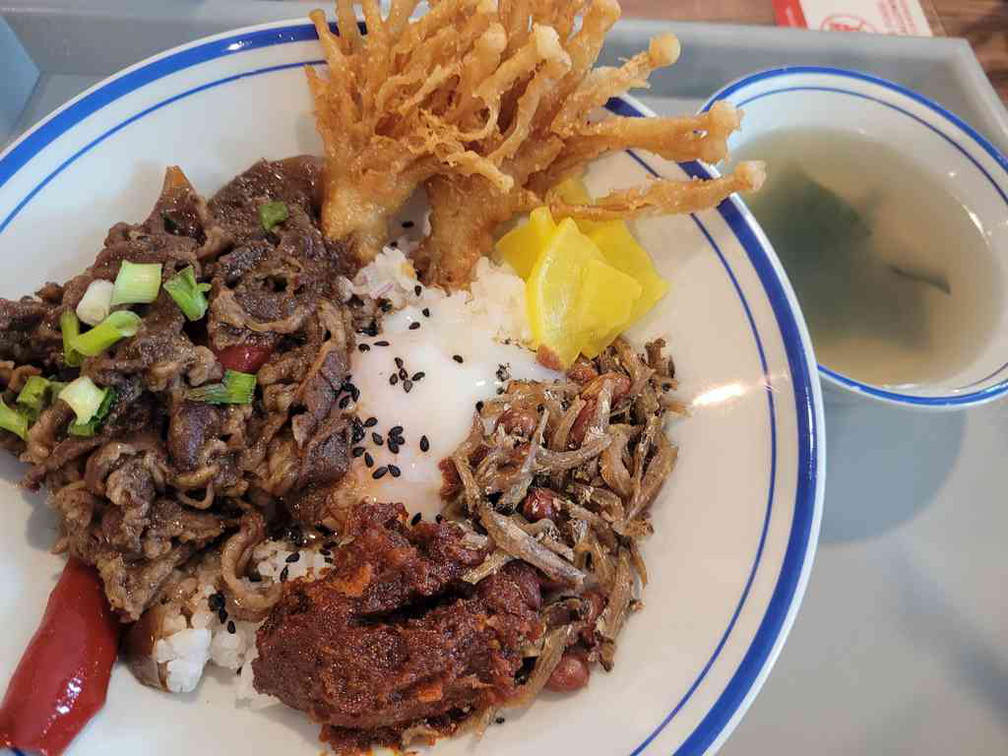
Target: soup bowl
[(967, 167)]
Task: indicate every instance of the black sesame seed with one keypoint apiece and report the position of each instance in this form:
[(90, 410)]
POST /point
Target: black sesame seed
[(407, 224), (354, 391), (222, 615), (479, 406), (416, 519), (394, 245), (363, 348), (500, 390), (424, 443), (393, 446), (324, 552), (324, 530), (417, 289), (438, 518), (395, 430), (284, 574), (355, 301), (381, 343), (407, 385), (419, 375), (380, 472), (426, 312), (357, 433), (403, 375), (458, 358), (368, 459), (500, 720), (291, 558), (231, 627), (377, 438), (255, 577), (371, 330), (371, 422), (385, 305), (393, 379), (398, 362), (215, 601), (395, 471), (345, 401), (357, 451), (414, 325)]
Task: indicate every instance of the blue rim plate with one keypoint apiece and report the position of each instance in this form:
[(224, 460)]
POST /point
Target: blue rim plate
[(211, 104), (942, 123)]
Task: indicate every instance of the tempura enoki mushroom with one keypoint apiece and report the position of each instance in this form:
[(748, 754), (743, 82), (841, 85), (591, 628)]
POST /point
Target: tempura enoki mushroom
[(401, 103), (489, 105)]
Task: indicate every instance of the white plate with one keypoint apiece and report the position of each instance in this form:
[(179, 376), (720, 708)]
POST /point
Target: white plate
[(736, 525)]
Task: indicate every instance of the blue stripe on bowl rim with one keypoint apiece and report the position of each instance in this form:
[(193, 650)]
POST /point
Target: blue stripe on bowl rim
[(804, 528), (963, 397)]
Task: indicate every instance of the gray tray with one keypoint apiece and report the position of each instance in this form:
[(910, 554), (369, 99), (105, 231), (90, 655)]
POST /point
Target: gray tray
[(901, 644), (50, 50)]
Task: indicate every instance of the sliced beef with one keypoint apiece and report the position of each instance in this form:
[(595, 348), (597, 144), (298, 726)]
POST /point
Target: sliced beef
[(29, 332), (297, 182), (192, 426), (164, 476), (133, 584)]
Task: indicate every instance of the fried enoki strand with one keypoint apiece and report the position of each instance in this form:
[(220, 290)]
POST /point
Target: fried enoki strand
[(667, 196), (703, 137), (555, 64), (540, 46), (560, 16), (333, 92), (399, 15), (670, 135), (349, 38), (583, 48), (599, 85), (515, 15)]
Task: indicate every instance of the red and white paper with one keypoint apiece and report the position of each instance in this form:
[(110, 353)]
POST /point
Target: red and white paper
[(876, 16)]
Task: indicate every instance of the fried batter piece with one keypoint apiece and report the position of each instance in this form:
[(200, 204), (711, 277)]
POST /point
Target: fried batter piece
[(487, 105)]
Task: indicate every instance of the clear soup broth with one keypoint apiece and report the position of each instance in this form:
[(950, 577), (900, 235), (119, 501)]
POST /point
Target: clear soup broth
[(897, 281)]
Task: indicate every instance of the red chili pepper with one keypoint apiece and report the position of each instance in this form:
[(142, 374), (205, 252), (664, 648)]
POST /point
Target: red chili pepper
[(245, 358), (61, 680)]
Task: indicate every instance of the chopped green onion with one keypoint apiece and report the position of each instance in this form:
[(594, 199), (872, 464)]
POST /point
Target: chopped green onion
[(83, 397), (97, 301), (12, 420), (137, 283), (271, 214), (236, 388), (34, 396), (118, 325), (88, 429), (188, 294), (70, 327)]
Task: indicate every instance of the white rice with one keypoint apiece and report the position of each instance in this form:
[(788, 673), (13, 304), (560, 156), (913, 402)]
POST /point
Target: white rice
[(494, 303), (195, 636)]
